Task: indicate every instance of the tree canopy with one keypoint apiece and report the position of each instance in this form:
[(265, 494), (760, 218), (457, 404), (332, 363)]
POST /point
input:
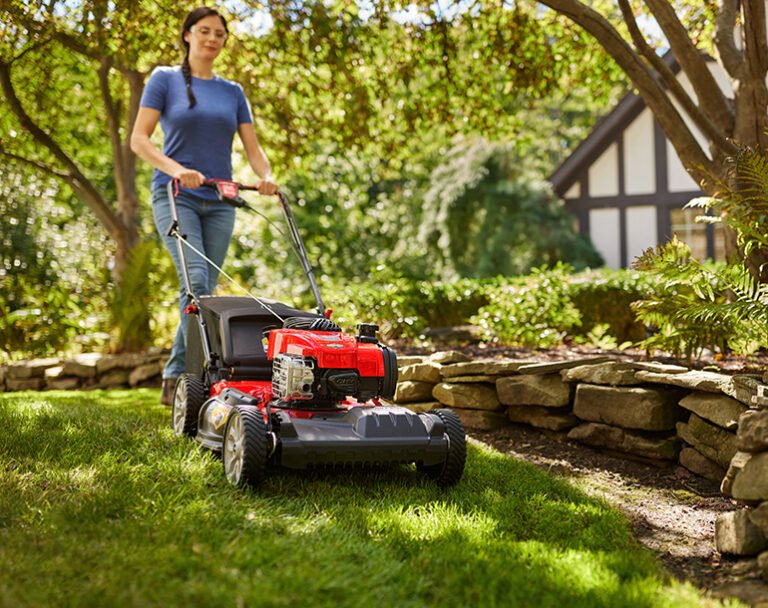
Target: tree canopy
[(381, 89)]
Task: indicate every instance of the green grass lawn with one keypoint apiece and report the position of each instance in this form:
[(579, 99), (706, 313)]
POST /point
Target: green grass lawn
[(100, 505)]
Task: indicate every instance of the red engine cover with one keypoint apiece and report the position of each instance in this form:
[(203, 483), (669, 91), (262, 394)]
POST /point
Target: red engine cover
[(331, 349)]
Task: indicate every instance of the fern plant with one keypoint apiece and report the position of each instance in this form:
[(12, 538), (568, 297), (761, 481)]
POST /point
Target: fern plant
[(717, 306)]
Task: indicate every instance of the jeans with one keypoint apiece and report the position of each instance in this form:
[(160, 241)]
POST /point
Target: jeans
[(208, 226)]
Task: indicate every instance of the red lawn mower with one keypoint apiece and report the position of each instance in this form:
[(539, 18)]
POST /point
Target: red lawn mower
[(270, 385)]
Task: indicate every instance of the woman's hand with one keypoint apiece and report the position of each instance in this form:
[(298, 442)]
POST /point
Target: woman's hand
[(267, 187), (189, 178)]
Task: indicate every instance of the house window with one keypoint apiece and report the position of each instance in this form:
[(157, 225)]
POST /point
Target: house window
[(696, 234)]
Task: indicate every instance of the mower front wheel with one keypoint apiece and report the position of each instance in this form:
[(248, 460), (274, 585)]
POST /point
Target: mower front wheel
[(188, 398), (449, 472), (244, 452)]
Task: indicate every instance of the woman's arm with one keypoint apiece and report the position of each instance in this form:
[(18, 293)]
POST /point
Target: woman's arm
[(256, 158), (141, 144)]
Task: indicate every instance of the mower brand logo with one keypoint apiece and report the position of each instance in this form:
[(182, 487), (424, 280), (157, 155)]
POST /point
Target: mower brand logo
[(219, 416), (344, 382), (336, 345)]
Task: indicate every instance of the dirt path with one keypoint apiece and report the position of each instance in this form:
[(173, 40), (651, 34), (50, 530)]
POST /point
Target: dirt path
[(673, 512)]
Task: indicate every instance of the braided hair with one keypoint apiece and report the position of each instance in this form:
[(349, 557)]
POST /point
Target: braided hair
[(201, 12)]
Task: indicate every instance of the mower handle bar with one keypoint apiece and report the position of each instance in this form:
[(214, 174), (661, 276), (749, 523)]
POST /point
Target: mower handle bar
[(227, 191)]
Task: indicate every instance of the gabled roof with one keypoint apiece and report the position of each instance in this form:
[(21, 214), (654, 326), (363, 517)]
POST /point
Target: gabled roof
[(607, 130), (602, 136)]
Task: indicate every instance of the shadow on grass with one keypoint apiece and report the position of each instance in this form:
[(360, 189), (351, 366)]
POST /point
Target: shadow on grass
[(121, 512)]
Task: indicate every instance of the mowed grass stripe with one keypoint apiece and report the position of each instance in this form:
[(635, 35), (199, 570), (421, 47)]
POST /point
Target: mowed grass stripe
[(101, 505)]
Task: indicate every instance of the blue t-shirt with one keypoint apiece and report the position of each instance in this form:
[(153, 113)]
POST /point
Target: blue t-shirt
[(199, 138)]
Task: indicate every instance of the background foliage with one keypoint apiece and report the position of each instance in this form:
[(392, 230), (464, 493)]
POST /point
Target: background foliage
[(359, 108), (721, 307)]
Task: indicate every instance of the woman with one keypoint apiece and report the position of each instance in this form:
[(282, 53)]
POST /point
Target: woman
[(199, 113)]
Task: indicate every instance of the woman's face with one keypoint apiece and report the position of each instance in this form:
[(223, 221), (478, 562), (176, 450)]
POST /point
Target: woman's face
[(206, 38)]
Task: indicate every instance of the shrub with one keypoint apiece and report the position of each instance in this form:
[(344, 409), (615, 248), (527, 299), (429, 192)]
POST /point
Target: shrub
[(550, 306), (531, 311), (604, 297), (404, 308), (539, 310)]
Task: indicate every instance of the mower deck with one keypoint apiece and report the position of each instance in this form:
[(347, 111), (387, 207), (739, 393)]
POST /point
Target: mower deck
[(363, 435)]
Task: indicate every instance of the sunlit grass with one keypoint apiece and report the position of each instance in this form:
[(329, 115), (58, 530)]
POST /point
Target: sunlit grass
[(101, 505)]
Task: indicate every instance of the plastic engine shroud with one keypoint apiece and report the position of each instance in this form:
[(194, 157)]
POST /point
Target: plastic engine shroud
[(331, 350)]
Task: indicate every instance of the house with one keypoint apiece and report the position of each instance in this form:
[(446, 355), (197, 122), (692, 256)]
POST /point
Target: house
[(626, 186)]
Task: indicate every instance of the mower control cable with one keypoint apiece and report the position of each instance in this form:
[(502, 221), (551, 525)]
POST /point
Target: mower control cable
[(175, 231), (228, 192), (232, 280)]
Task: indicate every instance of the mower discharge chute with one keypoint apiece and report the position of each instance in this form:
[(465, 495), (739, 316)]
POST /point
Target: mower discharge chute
[(268, 385)]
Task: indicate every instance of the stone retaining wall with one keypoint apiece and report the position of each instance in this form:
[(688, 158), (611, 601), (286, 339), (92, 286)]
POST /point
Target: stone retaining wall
[(91, 370), (652, 411)]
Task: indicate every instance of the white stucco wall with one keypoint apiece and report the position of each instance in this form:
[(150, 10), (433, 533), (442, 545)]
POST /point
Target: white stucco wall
[(639, 167), (641, 230), (574, 191), (604, 173), (678, 179), (604, 232)]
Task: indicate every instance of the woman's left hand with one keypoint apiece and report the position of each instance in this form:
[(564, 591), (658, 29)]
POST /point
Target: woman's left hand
[(267, 187)]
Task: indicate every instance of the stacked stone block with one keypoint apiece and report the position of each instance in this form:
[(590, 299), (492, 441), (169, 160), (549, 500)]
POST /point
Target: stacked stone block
[(745, 531), (86, 371)]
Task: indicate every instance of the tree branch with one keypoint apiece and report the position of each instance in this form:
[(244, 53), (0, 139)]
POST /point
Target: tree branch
[(113, 124), (655, 97), (671, 81), (73, 176), (752, 88), (725, 25), (39, 165), (135, 88), (73, 44), (755, 43), (711, 98)]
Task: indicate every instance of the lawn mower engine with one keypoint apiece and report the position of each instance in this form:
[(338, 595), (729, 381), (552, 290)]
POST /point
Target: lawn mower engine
[(314, 364)]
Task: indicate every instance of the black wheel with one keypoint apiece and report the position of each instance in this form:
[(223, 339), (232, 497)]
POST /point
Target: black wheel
[(188, 398), (449, 472), (244, 452)]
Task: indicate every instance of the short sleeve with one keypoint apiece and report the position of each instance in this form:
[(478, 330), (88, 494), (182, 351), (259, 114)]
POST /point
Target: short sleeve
[(155, 91), (243, 108)]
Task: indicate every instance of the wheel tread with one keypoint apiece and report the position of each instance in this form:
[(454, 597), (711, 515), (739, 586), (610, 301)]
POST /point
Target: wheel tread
[(450, 472), (255, 445), (196, 396)]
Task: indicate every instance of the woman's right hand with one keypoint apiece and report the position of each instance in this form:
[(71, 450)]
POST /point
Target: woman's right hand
[(189, 178)]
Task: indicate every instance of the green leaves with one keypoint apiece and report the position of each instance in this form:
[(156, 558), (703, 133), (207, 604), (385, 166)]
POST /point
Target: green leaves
[(392, 84), (486, 215)]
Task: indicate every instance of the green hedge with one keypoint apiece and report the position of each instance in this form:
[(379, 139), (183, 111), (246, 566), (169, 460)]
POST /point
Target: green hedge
[(541, 309), (404, 308)]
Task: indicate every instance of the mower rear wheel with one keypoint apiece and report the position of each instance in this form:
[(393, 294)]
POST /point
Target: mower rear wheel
[(449, 472), (244, 452), (188, 398)]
